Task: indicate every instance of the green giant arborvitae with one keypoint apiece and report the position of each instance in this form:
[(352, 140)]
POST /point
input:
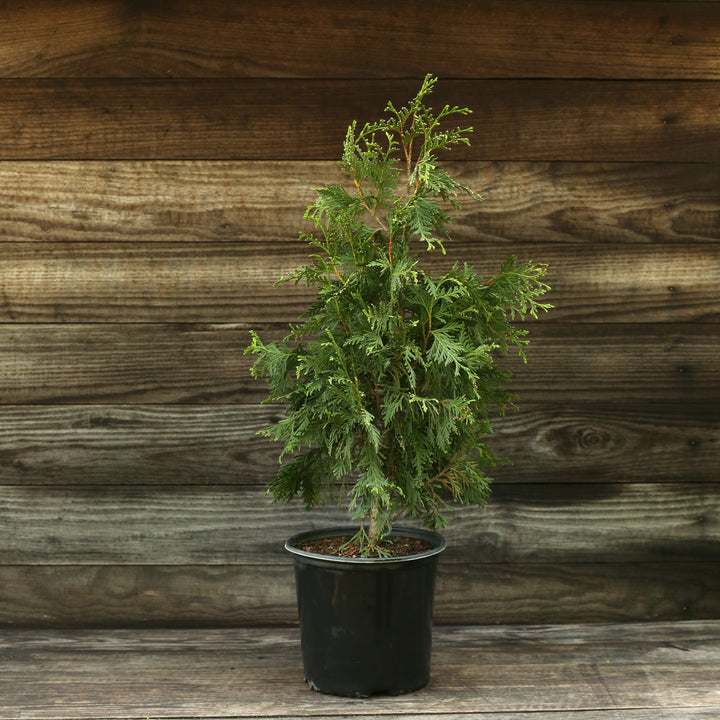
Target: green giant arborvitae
[(389, 381)]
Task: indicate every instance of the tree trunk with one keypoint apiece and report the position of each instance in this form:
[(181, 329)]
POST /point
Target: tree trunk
[(374, 530)]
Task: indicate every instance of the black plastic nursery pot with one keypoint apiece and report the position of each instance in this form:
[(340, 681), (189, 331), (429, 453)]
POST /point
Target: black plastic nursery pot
[(365, 623)]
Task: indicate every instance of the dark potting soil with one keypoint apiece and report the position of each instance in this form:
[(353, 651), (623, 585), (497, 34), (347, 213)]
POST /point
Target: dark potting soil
[(397, 547)]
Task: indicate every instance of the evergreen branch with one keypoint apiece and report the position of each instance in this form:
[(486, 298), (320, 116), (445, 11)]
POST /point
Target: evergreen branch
[(390, 380)]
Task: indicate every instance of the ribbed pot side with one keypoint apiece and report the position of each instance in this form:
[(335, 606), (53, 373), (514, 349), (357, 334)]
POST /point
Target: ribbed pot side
[(365, 623)]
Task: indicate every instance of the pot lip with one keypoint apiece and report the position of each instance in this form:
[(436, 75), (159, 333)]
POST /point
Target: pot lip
[(437, 540)]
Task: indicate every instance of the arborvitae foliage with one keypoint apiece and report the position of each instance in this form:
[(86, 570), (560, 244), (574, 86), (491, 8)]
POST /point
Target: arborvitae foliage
[(389, 381)]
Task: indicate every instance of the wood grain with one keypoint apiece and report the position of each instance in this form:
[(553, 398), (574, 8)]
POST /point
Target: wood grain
[(180, 525), (143, 596), (198, 364), (54, 364), (137, 445), (499, 39), (586, 205), (672, 121), (221, 283), (623, 244), (195, 674), (218, 444), (155, 162)]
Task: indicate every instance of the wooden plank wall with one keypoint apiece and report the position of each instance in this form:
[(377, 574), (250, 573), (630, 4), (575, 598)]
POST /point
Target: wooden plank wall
[(155, 161)]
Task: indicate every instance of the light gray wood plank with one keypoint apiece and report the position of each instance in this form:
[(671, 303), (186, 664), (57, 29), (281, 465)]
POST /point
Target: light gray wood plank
[(654, 714), (197, 674), (218, 525), (142, 596)]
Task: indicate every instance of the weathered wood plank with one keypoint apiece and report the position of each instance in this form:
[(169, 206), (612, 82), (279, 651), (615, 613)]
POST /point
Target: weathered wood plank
[(673, 121), (264, 202), (231, 674), (613, 444), (138, 445), (211, 283), (654, 714), (216, 39), (53, 364), (197, 364), (648, 644), (177, 525), (563, 592), (126, 596), (218, 445)]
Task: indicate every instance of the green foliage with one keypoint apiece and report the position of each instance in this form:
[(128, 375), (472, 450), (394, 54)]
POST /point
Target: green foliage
[(389, 381)]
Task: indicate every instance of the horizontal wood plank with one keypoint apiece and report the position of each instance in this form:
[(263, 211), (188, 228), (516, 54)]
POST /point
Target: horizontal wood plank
[(196, 674), (220, 283), (198, 364), (540, 38), (125, 596), (219, 445), (180, 525), (138, 445), (673, 121), (263, 202)]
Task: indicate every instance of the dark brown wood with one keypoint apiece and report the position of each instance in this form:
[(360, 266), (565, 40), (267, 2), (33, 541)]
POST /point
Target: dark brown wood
[(141, 596), (225, 282), (612, 671), (229, 230), (219, 525), (575, 120), (573, 363), (565, 592), (155, 162), (548, 38), (57, 364), (137, 445), (587, 205), (631, 361), (642, 441), (218, 444)]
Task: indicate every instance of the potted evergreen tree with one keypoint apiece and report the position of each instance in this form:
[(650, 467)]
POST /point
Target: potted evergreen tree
[(390, 386)]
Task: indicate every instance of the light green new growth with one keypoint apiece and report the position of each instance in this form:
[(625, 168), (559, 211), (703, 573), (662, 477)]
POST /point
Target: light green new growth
[(390, 381)]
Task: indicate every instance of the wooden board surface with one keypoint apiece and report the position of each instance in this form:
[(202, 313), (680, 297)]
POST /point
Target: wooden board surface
[(217, 525), (205, 241), (216, 39), (197, 364), (259, 119), (155, 162), (548, 38), (584, 205), (219, 445), (142, 596), (224, 282), (530, 672)]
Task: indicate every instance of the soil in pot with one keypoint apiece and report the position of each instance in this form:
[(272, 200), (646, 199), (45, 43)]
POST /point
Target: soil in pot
[(341, 546)]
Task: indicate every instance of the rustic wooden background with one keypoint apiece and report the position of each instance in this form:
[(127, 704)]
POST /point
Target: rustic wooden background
[(155, 161)]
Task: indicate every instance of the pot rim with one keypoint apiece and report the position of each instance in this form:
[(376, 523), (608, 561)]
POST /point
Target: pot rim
[(437, 540)]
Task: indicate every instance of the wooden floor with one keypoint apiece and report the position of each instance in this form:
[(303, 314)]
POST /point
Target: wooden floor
[(658, 671)]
